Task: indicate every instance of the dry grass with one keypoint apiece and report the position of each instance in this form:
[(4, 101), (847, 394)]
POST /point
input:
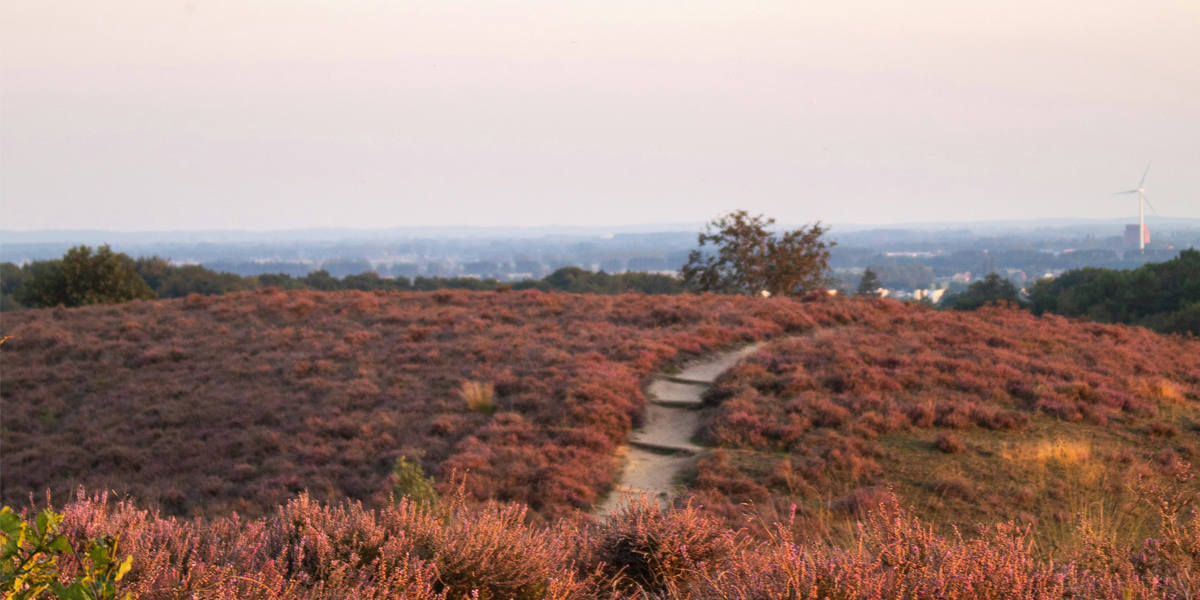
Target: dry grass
[(1062, 452), (478, 396), (1164, 391)]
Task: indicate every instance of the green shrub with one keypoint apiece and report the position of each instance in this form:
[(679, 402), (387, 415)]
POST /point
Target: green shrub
[(409, 480), (29, 561)]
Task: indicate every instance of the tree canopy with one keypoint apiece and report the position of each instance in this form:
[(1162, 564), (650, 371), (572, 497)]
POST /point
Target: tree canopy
[(81, 277), (992, 289), (749, 259), (1163, 296)]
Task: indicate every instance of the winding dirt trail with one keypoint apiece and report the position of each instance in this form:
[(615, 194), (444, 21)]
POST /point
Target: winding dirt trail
[(663, 446)]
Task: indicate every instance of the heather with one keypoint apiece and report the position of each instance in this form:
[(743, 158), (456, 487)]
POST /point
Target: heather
[(988, 417), (308, 549), (208, 405)]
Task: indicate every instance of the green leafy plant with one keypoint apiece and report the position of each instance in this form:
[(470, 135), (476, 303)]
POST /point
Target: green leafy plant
[(29, 561), (409, 480)]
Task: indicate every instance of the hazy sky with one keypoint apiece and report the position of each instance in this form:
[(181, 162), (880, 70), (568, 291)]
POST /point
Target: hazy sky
[(264, 114)]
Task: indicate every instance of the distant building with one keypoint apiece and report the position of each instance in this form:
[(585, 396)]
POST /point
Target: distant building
[(934, 296), (1131, 234)]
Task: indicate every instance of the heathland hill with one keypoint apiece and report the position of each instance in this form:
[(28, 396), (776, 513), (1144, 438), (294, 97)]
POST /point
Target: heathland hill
[(212, 404), (987, 416), (240, 403), (205, 405)]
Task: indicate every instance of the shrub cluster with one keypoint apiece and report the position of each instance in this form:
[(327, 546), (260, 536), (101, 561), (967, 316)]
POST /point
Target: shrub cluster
[(311, 550)]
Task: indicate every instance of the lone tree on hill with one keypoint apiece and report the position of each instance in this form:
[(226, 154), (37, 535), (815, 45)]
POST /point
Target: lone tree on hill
[(750, 260), (869, 284), (82, 277)]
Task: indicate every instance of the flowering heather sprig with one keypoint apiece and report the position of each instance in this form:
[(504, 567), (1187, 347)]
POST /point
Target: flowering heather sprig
[(308, 550)]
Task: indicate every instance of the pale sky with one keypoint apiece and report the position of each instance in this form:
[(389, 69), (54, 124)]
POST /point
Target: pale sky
[(268, 114)]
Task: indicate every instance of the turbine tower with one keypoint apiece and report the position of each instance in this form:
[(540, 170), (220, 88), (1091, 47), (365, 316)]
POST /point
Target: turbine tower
[(1142, 202)]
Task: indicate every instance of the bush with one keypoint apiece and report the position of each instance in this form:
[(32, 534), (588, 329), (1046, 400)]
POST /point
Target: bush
[(409, 481), (949, 443), (83, 277), (30, 553), (645, 548)]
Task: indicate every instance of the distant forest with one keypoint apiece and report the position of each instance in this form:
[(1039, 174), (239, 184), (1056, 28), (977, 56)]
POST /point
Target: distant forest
[(178, 281)]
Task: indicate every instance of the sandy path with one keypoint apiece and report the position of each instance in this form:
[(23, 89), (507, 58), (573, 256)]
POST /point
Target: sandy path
[(663, 446)]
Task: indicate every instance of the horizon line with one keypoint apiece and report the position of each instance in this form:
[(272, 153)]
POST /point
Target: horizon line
[(668, 227)]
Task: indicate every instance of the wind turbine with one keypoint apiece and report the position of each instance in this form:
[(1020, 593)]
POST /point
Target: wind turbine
[(1142, 202)]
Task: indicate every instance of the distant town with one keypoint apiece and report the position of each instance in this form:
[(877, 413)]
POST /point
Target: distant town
[(912, 262)]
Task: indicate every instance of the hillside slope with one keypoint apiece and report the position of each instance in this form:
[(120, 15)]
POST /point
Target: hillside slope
[(205, 405), (987, 416)]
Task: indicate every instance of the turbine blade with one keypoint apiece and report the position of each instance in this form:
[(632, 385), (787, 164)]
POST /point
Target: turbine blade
[(1148, 203), (1143, 183), (1119, 193)]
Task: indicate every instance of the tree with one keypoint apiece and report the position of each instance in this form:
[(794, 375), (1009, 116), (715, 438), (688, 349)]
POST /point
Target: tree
[(749, 259), (1162, 296), (82, 277), (12, 278), (993, 289), (154, 270), (869, 284)]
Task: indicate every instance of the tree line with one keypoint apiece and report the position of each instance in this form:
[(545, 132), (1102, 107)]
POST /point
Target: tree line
[(745, 258), (1161, 296), (85, 276)]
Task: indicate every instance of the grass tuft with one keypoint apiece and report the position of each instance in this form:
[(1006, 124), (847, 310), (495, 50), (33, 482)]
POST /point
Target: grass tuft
[(478, 396)]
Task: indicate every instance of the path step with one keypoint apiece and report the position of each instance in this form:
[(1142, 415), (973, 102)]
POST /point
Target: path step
[(684, 404), (664, 391), (708, 371), (647, 472), (668, 448), (674, 379), (667, 426)]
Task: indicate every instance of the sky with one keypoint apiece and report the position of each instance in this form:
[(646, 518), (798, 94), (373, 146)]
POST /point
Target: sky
[(140, 115)]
